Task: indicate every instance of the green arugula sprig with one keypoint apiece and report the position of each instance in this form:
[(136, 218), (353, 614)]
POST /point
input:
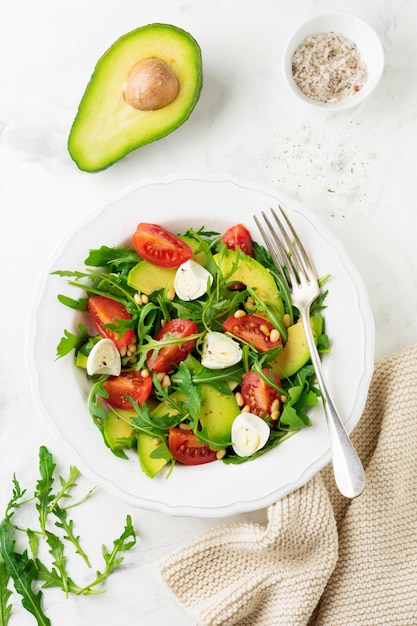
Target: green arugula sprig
[(25, 569)]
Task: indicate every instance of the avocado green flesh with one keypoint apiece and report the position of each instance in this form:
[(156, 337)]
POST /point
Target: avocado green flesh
[(146, 445), (295, 354), (147, 278), (118, 426), (106, 128), (252, 274), (217, 414)]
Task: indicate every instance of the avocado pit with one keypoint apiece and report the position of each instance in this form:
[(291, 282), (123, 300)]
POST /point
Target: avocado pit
[(150, 85)]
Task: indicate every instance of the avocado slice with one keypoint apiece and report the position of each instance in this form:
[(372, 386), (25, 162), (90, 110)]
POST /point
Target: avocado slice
[(146, 445), (147, 278), (252, 274), (106, 127), (295, 354), (217, 414), (118, 427)]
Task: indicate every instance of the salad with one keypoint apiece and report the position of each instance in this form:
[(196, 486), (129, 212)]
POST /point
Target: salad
[(193, 349)]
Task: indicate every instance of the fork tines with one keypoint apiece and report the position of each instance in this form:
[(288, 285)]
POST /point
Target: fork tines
[(285, 248)]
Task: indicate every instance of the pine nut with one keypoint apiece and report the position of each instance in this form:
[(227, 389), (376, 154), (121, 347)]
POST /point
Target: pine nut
[(133, 359), (166, 381), (274, 335), (129, 352), (144, 373), (287, 320), (163, 322), (274, 415), (160, 376), (138, 299), (171, 293), (131, 347), (264, 330), (220, 454), (123, 351), (239, 399), (239, 313), (246, 409), (145, 298), (184, 426), (283, 398), (275, 405)]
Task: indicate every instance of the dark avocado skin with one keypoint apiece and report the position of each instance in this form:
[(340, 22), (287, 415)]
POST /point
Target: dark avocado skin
[(106, 128)]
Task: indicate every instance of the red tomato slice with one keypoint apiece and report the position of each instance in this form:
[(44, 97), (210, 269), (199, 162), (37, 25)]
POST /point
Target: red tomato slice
[(186, 448), (104, 311), (131, 383), (252, 329), (159, 246), (169, 356), (257, 394), (237, 237)]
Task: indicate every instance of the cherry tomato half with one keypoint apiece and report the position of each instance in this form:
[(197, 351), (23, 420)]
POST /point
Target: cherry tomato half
[(104, 311), (186, 448), (252, 329), (159, 246), (169, 356), (237, 237), (131, 383), (258, 395)]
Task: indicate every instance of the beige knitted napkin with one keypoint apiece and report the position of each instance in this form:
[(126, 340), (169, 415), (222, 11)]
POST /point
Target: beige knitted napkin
[(322, 560)]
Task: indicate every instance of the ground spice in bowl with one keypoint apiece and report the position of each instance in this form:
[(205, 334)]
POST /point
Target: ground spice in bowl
[(327, 67)]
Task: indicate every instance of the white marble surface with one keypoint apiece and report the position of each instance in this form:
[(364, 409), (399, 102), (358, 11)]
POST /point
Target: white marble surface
[(356, 170)]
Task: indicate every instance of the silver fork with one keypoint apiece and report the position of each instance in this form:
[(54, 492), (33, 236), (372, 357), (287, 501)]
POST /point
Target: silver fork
[(287, 251)]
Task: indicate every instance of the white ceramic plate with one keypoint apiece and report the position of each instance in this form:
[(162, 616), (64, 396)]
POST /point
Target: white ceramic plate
[(215, 489)]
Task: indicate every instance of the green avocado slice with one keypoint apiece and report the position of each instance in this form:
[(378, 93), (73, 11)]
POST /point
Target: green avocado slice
[(106, 127), (250, 272), (295, 354)]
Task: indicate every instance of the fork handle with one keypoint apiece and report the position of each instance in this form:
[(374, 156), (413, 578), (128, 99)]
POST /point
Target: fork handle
[(347, 467)]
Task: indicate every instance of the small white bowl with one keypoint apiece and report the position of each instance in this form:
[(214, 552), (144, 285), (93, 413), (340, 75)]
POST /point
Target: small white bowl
[(356, 30)]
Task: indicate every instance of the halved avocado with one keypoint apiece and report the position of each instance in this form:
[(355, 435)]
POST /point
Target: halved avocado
[(106, 127)]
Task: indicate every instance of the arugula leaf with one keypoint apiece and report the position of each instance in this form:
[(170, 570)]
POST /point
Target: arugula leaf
[(70, 274), (118, 257), (203, 375), (33, 539), (71, 342), (43, 491), (23, 572), (68, 526), (289, 417), (5, 593), (57, 551), (192, 393), (66, 485), (78, 305), (157, 426), (112, 559)]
